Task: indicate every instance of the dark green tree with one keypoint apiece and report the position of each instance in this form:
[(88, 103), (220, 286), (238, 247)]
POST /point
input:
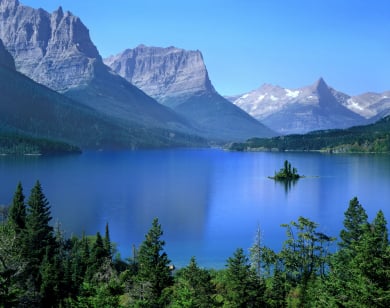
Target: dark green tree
[(154, 273), (39, 240), (355, 223), (12, 267), (17, 212), (193, 287), (360, 269), (243, 288), (107, 242), (97, 257)]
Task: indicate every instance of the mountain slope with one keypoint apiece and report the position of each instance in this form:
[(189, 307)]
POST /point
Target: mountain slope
[(56, 50), (179, 79), (30, 108), (299, 110)]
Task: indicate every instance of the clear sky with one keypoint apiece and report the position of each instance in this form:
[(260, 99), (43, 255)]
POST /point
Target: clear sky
[(245, 43)]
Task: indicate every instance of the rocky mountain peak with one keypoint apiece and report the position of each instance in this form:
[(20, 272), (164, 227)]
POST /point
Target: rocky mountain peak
[(6, 59), (167, 74), (52, 49)]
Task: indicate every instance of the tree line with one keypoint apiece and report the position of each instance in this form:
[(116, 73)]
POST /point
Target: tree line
[(40, 267)]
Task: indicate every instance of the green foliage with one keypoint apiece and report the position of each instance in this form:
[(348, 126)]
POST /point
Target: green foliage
[(41, 268), (21, 144), (370, 138), (361, 268), (242, 287), (17, 211), (193, 287), (154, 273), (287, 173)]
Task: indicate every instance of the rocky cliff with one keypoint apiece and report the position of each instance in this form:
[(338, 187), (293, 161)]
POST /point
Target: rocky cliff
[(170, 75)]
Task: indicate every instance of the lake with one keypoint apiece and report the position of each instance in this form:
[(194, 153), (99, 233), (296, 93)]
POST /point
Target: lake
[(209, 201)]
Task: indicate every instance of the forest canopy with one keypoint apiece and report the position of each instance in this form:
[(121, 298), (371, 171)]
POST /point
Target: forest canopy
[(40, 267)]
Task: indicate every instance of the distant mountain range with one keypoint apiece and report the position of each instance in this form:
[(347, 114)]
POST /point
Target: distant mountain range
[(179, 79), (313, 107), (146, 96)]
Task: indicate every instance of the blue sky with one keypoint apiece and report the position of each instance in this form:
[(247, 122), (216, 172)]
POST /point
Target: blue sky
[(250, 42)]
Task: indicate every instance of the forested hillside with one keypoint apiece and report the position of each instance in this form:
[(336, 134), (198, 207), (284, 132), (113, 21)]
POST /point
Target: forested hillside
[(370, 138), (40, 267), (21, 144)]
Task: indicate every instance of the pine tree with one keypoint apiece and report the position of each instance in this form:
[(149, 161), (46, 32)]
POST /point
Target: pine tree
[(17, 212), (107, 243), (97, 257), (39, 239), (355, 223), (242, 287), (154, 274), (193, 287)]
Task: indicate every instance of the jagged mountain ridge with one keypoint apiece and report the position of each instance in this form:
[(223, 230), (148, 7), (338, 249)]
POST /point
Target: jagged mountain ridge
[(56, 50), (167, 74), (178, 78), (300, 110)]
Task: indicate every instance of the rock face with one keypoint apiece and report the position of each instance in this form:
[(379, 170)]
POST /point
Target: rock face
[(52, 49), (55, 50), (170, 75), (290, 111), (179, 79)]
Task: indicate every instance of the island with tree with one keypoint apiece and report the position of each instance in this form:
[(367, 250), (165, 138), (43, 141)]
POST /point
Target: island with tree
[(286, 173)]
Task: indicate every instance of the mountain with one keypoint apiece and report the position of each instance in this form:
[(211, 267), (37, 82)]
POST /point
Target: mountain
[(170, 75), (27, 107), (55, 50), (290, 111), (179, 79), (373, 106)]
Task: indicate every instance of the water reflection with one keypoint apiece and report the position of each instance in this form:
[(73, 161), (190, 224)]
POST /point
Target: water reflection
[(209, 202), (287, 184)]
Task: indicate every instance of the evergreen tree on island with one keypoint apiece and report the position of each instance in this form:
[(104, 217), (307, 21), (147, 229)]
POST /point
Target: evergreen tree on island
[(287, 173)]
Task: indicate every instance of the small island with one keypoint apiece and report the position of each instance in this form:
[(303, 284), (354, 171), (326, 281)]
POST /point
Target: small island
[(286, 173)]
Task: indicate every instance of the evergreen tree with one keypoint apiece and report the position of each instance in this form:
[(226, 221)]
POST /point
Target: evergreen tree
[(17, 212), (107, 243), (154, 274), (97, 258), (39, 239), (242, 287), (355, 223), (360, 269), (193, 287), (12, 267)]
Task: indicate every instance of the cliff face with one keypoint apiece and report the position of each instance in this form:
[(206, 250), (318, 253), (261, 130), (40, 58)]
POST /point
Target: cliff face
[(170, 75), (52, 49)]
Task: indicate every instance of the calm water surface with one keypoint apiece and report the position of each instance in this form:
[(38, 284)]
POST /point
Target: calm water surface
[(209, 202)]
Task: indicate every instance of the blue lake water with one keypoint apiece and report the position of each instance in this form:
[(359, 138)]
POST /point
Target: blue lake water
[(209, 201)]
